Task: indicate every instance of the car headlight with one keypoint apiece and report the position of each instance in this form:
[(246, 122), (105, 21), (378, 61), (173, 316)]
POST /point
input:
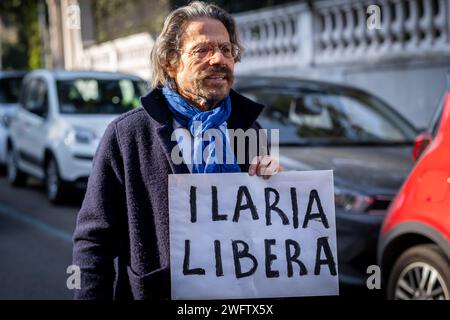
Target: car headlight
[(349, 200), (80, 135)]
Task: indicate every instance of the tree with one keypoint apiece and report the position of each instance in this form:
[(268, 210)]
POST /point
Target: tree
[(22, 15), (119, 18)]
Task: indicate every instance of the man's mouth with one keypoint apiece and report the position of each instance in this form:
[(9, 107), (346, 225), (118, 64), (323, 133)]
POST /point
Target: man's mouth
[(217, 77)]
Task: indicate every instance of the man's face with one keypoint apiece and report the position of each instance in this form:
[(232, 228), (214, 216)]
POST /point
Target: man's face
[(203, 81)]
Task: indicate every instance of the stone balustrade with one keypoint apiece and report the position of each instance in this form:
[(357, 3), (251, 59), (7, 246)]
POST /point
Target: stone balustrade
[(344, 31), (326, 34), (129, 54)]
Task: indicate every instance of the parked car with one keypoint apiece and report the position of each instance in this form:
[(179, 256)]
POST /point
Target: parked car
[(61, 118), (414, 248), (366, 142), (10, 83)]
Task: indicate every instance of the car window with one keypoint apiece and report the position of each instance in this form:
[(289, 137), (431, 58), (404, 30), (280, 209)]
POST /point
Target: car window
[(36, 97), (329, 117), (96, 96), (29, 93), (10, 89), (436, 125), (436, 118), (42, 98)]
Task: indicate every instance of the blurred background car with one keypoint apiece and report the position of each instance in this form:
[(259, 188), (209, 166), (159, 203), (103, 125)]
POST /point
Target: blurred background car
[(361, 138), (10, 84), (414, 248), (60, 121)]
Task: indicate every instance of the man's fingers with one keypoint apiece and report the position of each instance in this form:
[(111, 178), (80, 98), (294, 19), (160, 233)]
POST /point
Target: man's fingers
[(264, 167), (266, 160), (267, 172), (253, 166)]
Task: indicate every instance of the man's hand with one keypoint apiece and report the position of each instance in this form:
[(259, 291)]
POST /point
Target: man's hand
[(264, 167)]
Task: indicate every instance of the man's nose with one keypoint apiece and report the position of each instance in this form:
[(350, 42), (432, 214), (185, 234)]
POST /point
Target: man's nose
[(217, 57)]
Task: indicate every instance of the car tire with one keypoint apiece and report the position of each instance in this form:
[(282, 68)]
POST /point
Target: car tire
[(14, 175), (420, 273), (55, 186)]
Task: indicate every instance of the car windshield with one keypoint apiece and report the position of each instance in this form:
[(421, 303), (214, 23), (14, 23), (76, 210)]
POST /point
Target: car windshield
[(331, 118), (10, 89), (98, 96)]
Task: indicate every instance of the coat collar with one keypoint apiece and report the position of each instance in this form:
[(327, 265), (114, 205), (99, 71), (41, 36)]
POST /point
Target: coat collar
[(243, 114)]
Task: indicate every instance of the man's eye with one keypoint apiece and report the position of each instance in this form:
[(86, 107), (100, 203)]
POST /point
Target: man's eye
[(201, 50), (225, 49)]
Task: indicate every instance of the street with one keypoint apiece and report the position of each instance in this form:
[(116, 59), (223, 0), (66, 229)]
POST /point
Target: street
[(35, 243)]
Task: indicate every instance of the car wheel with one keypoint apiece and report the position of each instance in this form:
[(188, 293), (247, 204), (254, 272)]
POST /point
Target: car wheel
[(15, 176), (420, 273), (54, 185)]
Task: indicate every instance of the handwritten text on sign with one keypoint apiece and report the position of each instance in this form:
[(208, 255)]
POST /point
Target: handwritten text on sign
[(235, 236)]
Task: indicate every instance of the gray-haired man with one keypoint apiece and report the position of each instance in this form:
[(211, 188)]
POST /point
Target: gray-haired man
[(125, 211)]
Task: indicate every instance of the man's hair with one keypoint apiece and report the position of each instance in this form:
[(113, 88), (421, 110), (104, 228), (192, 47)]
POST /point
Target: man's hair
[(165, 51)]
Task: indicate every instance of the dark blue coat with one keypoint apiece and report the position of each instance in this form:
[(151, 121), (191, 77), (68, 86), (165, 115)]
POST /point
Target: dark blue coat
[(125, 213)]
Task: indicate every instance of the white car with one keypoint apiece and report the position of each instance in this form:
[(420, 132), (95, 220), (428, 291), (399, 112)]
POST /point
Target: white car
[(60, 120), (10, 83)]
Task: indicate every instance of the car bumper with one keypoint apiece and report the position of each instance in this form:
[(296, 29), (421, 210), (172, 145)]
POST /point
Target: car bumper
[(357, 237)]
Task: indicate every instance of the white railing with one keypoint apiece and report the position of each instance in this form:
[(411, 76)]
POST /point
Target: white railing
[(272, 38), (336, 32), (295, 36), (129, 54), (409, 29)]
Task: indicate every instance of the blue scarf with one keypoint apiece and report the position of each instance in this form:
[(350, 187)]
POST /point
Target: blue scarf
[(188, 115)]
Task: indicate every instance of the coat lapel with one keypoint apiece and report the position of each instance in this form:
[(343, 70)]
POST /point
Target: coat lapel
[(156, 106)]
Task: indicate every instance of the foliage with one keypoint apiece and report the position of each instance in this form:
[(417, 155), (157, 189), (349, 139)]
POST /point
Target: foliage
[(118, 18), (23, 16)]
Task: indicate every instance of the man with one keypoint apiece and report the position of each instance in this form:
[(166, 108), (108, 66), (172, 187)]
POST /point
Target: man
[(125, 211)]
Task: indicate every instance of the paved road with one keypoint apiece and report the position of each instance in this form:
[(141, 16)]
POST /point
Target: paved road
[(35, 243)]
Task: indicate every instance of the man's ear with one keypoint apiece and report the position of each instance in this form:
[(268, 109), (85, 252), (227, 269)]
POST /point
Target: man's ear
[(172, 66), (171, 70)]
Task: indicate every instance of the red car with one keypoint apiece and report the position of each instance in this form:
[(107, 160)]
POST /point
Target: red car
[(414, 246)]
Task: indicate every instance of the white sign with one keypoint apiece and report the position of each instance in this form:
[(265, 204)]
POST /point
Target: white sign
[(235, 236)]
